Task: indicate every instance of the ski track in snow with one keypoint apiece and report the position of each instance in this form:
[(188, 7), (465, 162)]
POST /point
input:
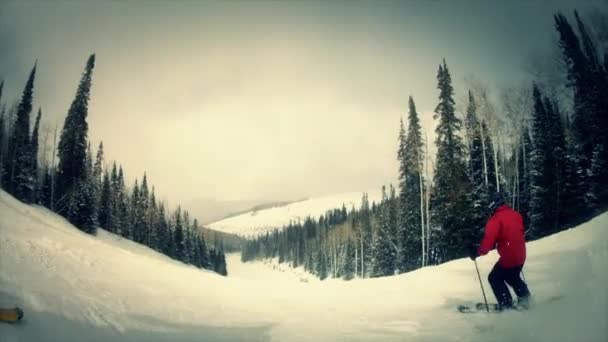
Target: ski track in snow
[(76, 287)]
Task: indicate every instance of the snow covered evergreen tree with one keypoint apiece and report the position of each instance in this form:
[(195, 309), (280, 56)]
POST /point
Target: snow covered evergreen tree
[(122, 207), (72, 168), (142, 227), (179, 235), (21, 181), (98, 171), (450, 201), (383, 253), (365, 232), (589, 85), (34, 160), (106, 214), (540, 179), (411, 188), (489, 160), (82, 209), (480, 187), (321, 265), (522, 203), (556, 155)]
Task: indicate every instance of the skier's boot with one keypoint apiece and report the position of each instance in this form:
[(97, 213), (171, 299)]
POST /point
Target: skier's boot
[(524, 303)]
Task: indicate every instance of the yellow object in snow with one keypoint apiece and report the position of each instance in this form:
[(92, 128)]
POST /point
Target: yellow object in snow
[(10, 315)]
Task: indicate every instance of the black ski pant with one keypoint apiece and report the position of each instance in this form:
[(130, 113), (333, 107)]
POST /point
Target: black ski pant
[(499, 278)]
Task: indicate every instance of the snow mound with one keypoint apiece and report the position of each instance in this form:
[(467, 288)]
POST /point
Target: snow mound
[(254, 223), (77, 287)]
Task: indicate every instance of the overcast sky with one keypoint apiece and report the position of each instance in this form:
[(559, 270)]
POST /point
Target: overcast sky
[(241, 100)]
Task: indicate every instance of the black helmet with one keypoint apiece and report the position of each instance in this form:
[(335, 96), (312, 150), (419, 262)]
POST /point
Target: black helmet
[(495, 202)]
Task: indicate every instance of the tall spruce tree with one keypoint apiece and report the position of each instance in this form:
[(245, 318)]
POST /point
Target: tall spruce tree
[(540, 179), (411, 191), (556, 150), (134, 214), (98, 171), (523, 174), (122, 213), (451, 207), (72, 149), (365, 222), (106, 214), (590, 112), (489, 160), (82, 210), (34, 160), (179, 235), (20, 161), (383, 253), (481, 188), (349, 260)]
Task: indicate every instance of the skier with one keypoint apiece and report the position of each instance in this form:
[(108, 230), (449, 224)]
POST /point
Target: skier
[(505, 231)]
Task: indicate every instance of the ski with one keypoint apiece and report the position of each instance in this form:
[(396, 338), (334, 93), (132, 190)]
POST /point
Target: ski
[(479, 307), (11, 315)]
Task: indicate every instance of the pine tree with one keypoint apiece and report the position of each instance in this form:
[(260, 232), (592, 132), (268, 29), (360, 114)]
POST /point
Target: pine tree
[(82, 209), (143, 212), (152, 222), (489, 160), (122, 207), (164, 234), (480, 194), (179, 235), (383, 257), (523, 198), (222, 269), (134, 215), (540, 179), (321, 265), (34, 159), (46, 189), (451, 207), (589, 83), (20, 161), (106, 214), (556, 157), (365, 233), (349, 262), (204, 254), (98, 170), (411, 186), (114, 193), (73, 142), (597, 189)]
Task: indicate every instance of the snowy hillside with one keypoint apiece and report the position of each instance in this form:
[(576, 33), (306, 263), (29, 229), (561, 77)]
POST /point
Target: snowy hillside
[(254, 223), (75, 287)]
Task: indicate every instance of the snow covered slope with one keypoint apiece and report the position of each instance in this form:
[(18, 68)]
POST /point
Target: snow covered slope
[(254, 223), (76, 287)]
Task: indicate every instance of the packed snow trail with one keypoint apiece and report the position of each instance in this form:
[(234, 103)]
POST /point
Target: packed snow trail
[(76, 287)]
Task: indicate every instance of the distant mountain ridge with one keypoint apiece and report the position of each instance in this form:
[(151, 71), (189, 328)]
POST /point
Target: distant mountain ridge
[(267, 217)]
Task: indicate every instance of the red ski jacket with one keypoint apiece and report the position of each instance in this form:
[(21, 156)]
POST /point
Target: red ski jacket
[(505, 231)]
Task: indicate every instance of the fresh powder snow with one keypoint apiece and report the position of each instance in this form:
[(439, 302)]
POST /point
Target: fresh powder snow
[(77, 287)]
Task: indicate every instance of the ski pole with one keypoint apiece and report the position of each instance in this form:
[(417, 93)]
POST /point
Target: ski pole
[(481, 284)]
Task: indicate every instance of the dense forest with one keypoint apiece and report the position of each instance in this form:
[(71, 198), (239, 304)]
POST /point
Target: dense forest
[(80, 186), (543, 147)]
